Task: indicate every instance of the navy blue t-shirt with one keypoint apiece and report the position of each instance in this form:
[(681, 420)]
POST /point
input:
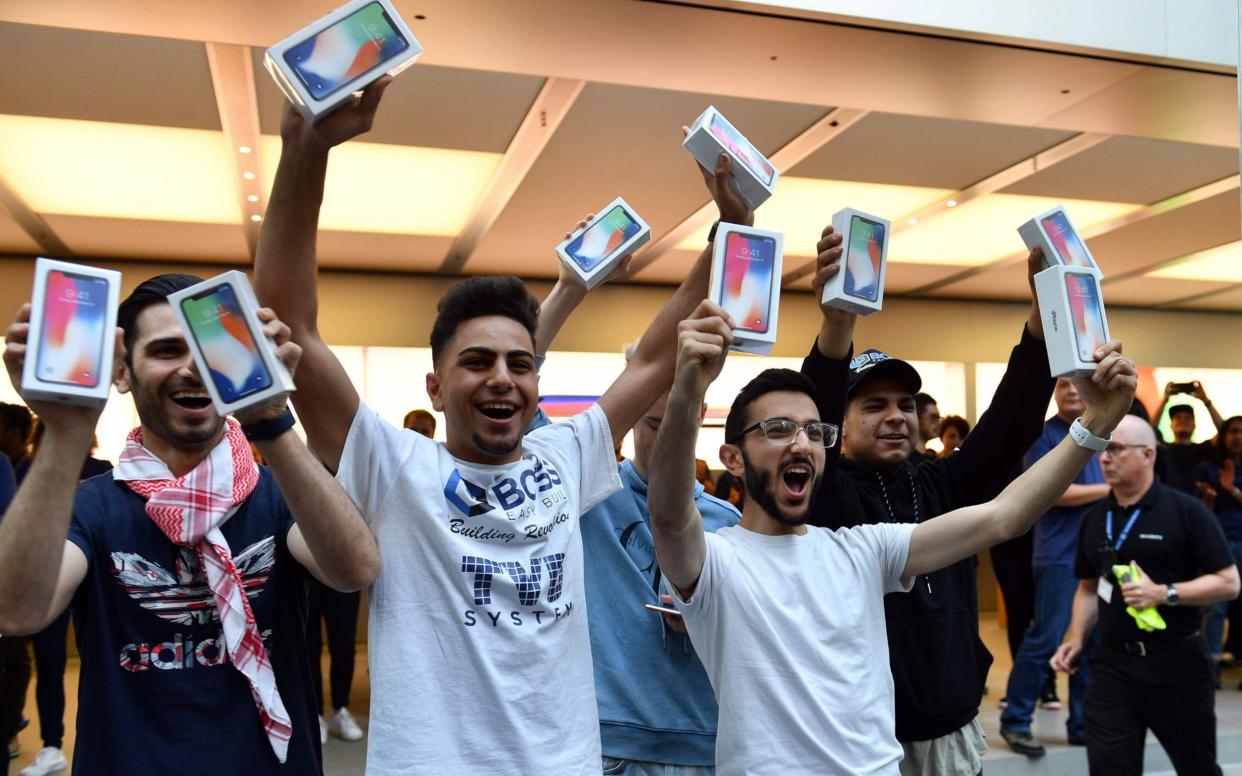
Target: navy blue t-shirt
[(1056, 533), (157, 693)]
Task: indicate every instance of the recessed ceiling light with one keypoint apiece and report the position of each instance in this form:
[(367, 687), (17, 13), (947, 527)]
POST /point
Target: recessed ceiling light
[(912, 221), (256, 217), (248, 176), (252, 198), (952, 203), (244, 149)]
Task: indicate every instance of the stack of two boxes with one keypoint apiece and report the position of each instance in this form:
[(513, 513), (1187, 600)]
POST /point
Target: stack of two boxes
[(1071, 305)]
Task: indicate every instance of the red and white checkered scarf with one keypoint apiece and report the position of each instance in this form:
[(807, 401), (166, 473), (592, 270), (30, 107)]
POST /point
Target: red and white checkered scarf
[(190, 510)]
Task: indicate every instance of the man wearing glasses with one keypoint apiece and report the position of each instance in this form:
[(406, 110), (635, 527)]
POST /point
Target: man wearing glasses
[(1162, 680), (789, 619)]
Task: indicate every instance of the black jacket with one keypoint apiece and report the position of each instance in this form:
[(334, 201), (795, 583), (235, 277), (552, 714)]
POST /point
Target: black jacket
[(938, 661)]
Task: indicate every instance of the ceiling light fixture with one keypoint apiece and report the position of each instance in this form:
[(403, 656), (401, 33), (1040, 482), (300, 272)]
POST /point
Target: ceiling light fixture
[(951, 203), (252, 198), (244, 149), (256, 217), (912, 221), (248, 176)]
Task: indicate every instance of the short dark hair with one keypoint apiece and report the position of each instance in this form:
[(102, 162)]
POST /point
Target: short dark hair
[(477, 297), (922, 401), (1180, 409), (767, 381), (148, 293), (1221, 451), (957, 422), (16, 417)]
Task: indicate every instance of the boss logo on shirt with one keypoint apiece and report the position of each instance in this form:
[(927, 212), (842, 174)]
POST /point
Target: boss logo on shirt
[(508, 493)]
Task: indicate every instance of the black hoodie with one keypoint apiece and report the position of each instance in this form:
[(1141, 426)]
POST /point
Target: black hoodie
[(938, 661)]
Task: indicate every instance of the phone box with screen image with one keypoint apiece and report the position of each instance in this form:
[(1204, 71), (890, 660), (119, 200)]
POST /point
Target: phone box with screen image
[(72, 337), (594, 250), (746, 282), (1053, 232), (754, 175), (859, 286), (322, 65), (1072, 309), (235, 360)]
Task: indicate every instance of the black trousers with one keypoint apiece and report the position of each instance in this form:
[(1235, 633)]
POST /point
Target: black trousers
[(340, 613), (15, 655), (1011, 561), (4, 712), (1170, 692), (50, 656)]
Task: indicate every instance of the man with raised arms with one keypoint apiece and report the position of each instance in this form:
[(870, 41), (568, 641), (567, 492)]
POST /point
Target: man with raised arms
[(789, 619), (479, 651)]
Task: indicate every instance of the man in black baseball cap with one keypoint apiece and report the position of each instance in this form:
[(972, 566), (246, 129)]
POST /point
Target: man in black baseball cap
[(938, 662)]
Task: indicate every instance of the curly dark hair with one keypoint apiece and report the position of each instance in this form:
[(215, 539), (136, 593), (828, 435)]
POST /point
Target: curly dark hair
[(502, 295)]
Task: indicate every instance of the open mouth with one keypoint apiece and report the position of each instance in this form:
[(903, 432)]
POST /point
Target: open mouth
[(893, 438), (191, 400), (797, 478), (498, 410)]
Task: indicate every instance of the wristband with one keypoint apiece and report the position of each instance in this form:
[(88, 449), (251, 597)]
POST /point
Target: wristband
[(266, 430), (1084, 438), (711, 236)]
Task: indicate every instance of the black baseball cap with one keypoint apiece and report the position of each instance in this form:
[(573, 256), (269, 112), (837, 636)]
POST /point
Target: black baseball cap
[(1178, 409), (873, 364)]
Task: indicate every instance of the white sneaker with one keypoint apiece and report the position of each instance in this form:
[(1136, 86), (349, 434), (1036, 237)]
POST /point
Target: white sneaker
[(323, 731), (48, 760), (345, 726)]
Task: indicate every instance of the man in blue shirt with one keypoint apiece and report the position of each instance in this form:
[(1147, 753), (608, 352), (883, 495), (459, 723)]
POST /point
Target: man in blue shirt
[(1056, 543)]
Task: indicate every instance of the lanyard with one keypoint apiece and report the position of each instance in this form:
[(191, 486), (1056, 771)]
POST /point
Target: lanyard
[(1125, 532)]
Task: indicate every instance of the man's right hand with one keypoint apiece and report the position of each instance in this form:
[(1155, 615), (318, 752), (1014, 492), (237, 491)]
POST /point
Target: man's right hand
[(1065, 657), (729, 203), (836, 334), (703, 341), (1109, 390), (57, 417), (346, 122)]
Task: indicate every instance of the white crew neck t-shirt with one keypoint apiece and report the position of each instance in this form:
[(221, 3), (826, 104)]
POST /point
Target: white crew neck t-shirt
[(791, 632), (479, 654)]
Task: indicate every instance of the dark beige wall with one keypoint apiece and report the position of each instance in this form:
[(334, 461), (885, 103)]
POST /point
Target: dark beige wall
[(397, 310)]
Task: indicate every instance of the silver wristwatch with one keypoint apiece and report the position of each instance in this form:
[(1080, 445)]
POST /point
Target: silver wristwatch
[(1171, 597)]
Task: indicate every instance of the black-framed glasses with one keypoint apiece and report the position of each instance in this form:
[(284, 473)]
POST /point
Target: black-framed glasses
[(1116, 448), (780, 431)]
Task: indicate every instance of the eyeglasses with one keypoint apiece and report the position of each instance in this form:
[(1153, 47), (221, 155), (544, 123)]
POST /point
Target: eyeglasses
[(1116, 448), (784, 432)]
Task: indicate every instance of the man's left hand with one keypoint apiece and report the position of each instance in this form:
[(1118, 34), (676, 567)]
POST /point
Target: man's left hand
[(1142, 593), (289, 353)]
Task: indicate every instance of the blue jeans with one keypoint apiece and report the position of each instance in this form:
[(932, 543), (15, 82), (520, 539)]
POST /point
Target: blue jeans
[(614, 766), (1054, 600), (1214, 628)]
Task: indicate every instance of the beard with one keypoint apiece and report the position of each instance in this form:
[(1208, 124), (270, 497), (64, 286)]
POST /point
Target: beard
[(496, 447), (759, 488), (152, 416)]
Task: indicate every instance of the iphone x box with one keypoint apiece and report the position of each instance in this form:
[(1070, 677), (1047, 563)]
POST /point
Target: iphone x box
[(753, 174), (594, 250), (323, 64), (1072, 309), (1053, 232), (859, 286), (72, 337), (746, 282), (235, 360)]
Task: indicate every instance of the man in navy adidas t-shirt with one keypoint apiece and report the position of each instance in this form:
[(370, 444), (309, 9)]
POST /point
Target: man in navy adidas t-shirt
[(167, 682)]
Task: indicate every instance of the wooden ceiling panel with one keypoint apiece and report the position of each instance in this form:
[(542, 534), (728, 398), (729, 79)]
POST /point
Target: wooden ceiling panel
[(436, 107), (1131, 169), (1229, 301), (1142, 291), (1007, 282), (389, 252), (620, 140), (1196, 227), (925, 151), (137, 239), (96, 76), (13, 239)]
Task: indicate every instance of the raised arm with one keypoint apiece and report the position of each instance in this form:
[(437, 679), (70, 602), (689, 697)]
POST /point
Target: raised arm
[(676, 525), (967, 531), (827, 365), (650, 372), (565, 297), (330, 538), (285, 270), (39, 568)]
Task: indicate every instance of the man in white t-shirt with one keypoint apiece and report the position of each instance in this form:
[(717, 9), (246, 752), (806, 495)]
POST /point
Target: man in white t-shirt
[(478, 645), (789, 619)]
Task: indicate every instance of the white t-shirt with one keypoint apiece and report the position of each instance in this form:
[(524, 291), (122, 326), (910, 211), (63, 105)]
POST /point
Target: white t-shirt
[(791, 632), (479, 655)]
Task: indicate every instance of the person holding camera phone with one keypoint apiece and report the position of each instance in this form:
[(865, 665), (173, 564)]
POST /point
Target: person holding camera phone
[(1157, 680), (789, 619), (1177, 461)]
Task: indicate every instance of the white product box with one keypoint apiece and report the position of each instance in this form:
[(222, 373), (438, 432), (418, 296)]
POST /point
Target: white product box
[(1071, 307), (594, 250), (235, 361), (1053, 232), (859, 286), (746, 282), (323, 64), (72, 339), (754, 175)]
